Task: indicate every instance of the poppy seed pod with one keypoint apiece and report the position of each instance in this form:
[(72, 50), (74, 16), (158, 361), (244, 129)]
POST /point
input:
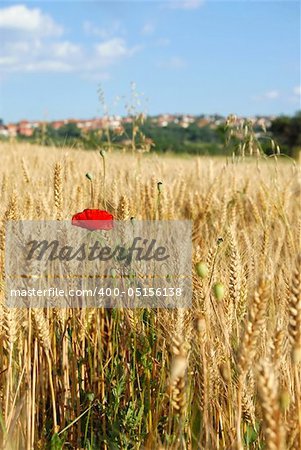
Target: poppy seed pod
[(89, 176), (102, 153), (113, 273), (201, 269), (218, 291), (159, 186), (90, 396)]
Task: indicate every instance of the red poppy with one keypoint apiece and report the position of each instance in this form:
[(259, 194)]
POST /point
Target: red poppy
[(93, 219)]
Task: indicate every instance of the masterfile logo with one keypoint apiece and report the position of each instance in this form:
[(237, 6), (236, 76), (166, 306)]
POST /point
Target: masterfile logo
[(141, 264)]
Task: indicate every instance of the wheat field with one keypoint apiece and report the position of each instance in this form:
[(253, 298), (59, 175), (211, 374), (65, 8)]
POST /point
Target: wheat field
[(223, 374)]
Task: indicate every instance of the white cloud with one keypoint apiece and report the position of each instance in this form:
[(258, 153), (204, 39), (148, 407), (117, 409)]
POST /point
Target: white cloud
[(28, 47), (23, 19), (33, 43), (114, 49), (185, 4), (47, 66), (104, 33), (296, 96), (148, 28), (63, 56), (163, 42), (271, 95), (66, 49), (18, 47), (175, 62), (292, 97), (7, 61)]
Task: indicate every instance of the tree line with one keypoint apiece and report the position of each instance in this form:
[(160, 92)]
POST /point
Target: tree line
[(206, 140)]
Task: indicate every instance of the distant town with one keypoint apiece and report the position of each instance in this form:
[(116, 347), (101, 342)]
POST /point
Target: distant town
[(26, 128), (177, 133)]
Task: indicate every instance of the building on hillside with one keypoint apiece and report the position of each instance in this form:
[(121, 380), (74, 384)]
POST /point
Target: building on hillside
[(25, 128), (57, 124), (3, 130), (12, 129), (203, 122)]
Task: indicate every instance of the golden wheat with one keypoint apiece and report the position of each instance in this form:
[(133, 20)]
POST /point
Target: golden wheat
[(219, 375)]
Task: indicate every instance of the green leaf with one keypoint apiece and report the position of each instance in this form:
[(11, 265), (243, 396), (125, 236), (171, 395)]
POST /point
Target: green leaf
[(56, 442)]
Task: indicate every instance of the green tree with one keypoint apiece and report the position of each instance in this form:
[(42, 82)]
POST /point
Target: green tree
[(287, 131), (69, 131)]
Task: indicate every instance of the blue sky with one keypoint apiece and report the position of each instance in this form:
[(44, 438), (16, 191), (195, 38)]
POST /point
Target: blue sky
[(186, 56)]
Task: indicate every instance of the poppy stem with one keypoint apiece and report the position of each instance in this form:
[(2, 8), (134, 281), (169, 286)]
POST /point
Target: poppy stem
[(102, 154), (92, 194), (90, 178), (158, 208)]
